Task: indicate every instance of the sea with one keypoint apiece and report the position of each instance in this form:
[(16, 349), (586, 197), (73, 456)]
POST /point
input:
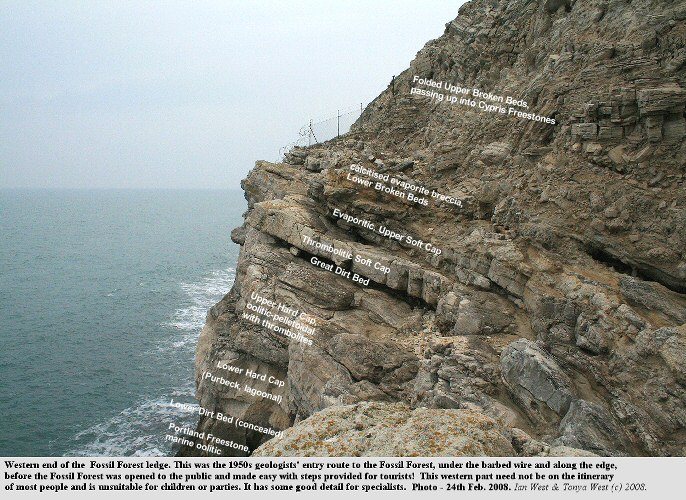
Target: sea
[(103, 294)]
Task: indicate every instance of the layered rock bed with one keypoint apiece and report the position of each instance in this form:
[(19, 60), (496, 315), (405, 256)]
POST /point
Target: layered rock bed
[(543, 314)]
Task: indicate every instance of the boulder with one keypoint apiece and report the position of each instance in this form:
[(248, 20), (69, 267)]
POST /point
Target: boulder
[(533, 378), (589, 426)]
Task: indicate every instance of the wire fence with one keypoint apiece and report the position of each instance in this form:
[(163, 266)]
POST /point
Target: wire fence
[(324, 129)]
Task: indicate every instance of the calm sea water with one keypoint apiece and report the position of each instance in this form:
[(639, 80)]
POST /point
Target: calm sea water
[(102, 296)]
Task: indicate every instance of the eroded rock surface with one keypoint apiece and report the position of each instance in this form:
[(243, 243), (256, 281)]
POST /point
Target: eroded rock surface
[(391, 430)]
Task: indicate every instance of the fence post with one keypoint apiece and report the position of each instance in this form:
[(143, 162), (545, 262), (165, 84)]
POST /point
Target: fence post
[(338, 123), (309, 136)]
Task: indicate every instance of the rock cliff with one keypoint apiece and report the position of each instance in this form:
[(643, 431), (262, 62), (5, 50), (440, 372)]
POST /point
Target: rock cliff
[(534, 306)]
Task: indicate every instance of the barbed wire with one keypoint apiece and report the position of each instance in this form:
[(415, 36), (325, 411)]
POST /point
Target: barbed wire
[(323, 129)]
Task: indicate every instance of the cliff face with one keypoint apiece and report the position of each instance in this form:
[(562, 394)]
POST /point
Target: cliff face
[(539, 305)]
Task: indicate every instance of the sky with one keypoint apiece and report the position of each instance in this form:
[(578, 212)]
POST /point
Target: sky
[(187, 94)]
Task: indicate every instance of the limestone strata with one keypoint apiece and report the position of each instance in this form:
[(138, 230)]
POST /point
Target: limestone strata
[(390, 430), (552, 319)]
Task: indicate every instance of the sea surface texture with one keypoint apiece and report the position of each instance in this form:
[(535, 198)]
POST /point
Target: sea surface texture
[(103, 294)]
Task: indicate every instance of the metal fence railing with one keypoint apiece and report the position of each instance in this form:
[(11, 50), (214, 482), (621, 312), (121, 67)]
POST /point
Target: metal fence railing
[(324, 129)]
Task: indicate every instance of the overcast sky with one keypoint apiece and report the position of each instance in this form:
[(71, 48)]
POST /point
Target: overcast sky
[(171, 94)]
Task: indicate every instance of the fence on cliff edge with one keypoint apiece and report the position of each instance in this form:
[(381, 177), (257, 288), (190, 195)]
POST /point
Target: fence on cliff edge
[(324, 129)]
